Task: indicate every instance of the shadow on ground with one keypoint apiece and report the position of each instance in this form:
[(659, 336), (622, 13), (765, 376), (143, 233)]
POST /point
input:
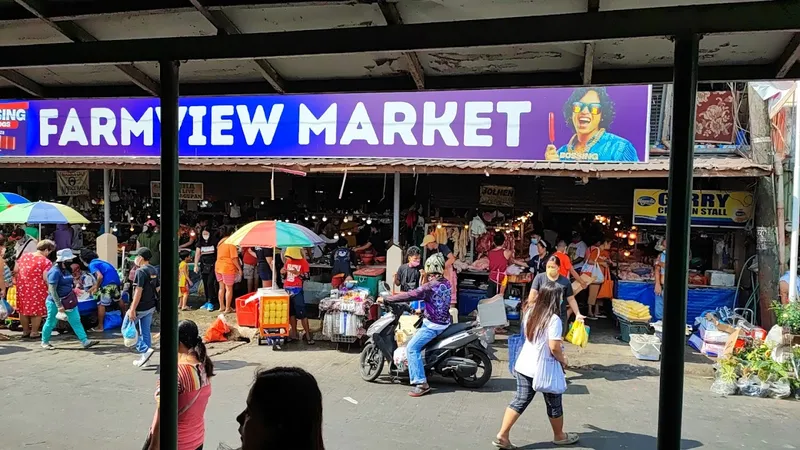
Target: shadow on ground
[(600, 439), (613, 372)]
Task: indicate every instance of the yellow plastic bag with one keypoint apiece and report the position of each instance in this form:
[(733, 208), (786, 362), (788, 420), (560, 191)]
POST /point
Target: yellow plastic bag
[(578, 334)]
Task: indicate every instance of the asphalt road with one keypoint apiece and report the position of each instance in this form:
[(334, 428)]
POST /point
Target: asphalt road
[(71, 399)]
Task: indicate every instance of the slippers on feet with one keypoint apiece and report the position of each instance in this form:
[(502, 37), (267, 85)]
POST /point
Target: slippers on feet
[(419, 391), (571, 438), (501, 446)]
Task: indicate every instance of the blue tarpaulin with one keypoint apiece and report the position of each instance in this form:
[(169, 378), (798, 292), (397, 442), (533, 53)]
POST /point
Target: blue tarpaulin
[(700, 298)]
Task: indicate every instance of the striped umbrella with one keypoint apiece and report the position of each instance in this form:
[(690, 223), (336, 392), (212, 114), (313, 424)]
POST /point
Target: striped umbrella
[(8, 199), (274, 234), (41, 213)]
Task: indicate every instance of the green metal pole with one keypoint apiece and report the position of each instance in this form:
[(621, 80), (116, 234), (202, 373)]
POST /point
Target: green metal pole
[(679, 214), (169, 254)]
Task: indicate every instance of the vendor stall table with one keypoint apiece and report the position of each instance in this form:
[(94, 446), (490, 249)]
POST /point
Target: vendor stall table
[(700, 299)]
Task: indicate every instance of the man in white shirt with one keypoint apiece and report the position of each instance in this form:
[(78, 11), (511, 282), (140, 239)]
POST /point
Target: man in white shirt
[(577, 249), (24, 242)]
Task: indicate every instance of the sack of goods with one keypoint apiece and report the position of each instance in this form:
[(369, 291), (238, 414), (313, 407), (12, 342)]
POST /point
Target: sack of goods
[(631, 310)]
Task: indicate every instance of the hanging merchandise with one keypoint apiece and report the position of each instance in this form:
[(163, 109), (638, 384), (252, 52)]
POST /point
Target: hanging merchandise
[(236, 211), (477, 227), (441, 235), (461, 239)]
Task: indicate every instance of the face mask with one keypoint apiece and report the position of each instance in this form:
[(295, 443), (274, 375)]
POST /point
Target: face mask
[(206, 236), (552, 273), (413, 264), (534, 241), (145, 229)]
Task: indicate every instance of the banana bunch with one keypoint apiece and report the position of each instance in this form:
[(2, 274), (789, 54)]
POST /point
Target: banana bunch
[(631, 310)]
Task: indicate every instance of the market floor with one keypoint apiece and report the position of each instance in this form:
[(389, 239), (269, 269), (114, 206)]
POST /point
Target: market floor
[(71, 399)]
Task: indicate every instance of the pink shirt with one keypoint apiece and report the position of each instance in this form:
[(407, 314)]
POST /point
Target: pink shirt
[(194, 391)]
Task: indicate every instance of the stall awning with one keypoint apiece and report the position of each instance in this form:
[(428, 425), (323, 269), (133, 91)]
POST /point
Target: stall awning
[(705, 166)]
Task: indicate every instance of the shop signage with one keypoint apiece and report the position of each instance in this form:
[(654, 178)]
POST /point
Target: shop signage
[(72, 183), (582, 124), (189, 191), (497, 195), (729, 209), (13, 129)]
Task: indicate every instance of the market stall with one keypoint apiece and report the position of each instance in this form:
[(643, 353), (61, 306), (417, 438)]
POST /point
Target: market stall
[(717, 220)]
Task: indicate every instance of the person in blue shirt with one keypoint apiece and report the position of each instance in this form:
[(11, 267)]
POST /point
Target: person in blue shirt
[(591, 112), (107, 287), (59, 287)]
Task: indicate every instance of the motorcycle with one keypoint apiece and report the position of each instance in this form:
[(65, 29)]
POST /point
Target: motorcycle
[(459, 351)]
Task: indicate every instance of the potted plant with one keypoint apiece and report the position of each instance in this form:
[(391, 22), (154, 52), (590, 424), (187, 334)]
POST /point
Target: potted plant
[(788, 317)]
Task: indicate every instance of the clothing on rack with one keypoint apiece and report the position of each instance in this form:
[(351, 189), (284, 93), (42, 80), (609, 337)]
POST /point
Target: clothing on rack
[(477, 227)]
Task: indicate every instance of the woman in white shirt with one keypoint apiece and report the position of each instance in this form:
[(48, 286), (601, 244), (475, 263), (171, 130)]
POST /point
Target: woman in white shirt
[(540, 366)]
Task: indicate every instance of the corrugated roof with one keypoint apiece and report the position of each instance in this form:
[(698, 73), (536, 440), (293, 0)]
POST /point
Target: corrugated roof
[(656, 167)]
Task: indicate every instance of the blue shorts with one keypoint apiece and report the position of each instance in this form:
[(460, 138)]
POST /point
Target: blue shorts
[(297, 303), (264, 273)]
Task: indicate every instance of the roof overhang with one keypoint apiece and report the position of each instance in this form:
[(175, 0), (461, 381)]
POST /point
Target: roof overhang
[(704, 166)]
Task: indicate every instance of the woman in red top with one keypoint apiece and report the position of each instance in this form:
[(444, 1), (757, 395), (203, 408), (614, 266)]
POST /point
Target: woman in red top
[(30, 273), (566, 269), (195, 370), (499, 260)]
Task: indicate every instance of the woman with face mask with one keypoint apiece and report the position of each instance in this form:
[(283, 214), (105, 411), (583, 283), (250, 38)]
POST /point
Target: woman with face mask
[(552, 275), (205, 255)]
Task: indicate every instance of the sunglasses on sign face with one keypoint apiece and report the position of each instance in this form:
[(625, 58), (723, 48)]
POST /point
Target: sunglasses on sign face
[(594, 108)]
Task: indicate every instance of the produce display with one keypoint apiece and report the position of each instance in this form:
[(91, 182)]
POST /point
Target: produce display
[(276, 312), (631, 310), (635, 271)]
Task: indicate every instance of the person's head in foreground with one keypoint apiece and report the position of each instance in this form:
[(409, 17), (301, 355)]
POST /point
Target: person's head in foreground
[(296, 424), (434, 267)]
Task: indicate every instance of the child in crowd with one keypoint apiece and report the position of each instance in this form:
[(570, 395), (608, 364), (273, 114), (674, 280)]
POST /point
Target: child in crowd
[(408, 275), (295, 269), (184, 281)]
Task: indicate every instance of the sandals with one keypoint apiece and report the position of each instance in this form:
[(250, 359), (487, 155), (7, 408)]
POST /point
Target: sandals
[(419, 391), (571, 438), (501, 446), (309, 340)]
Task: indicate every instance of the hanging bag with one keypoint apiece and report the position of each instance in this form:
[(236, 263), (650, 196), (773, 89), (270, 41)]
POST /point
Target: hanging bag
[(549, 377), (69, 301), (592, 267)]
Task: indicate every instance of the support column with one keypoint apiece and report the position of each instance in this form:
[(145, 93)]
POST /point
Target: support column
[(766, 215), (670, 405), (169, 254), (107, 200), (396, 211)]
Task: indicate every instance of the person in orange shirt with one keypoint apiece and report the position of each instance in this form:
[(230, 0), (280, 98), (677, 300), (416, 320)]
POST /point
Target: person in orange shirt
[(566, 269), (228, 269)]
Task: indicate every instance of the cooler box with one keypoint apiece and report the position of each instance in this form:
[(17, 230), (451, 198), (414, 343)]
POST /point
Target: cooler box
[(247, 311), (468, 300), (370, 278)]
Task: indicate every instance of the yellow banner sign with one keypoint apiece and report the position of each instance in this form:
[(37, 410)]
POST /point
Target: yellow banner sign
[(730, 209)]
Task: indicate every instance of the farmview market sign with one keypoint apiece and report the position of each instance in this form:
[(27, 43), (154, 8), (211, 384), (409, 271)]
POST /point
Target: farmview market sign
[(585, 124)]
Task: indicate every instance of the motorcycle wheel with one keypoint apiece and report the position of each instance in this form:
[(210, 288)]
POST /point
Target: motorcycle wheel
[(370, 362), (484, 363)]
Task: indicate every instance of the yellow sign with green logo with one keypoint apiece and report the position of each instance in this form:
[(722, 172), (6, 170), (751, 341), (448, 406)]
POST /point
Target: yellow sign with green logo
[(729, 209)]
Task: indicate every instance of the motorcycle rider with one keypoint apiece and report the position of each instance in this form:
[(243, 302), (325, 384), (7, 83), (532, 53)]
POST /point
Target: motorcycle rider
[(435, 292)]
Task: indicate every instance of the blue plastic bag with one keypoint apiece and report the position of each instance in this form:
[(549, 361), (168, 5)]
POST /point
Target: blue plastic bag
[(113, 320), (130, 336), (515, 343)]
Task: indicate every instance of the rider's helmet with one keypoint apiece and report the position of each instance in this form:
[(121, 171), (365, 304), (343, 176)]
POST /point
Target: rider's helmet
[(435, 264)]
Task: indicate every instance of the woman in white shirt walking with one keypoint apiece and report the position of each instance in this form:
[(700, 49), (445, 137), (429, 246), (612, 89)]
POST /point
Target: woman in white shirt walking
[(540, 367)]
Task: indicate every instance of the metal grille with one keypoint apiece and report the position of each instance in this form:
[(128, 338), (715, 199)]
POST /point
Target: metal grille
[(656, 113)]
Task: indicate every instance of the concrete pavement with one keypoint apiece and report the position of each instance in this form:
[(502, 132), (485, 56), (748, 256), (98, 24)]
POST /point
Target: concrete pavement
[(71, 399)]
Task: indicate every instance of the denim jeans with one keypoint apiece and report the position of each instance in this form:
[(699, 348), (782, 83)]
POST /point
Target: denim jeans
[(73, 317), (416, 365), (660, 307), (145, 320)]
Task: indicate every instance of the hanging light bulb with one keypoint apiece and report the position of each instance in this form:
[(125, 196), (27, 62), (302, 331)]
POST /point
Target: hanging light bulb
[(633, 227), (626, 253), (369, 221), (286, 220), (148, 217), (306, 218), (131, 228), (369, 201), (83, 227), (632, 235), (631, 242), (616, 229), (158, 215), (624, 236), (438, 226), (324, 218), (313, 217), (524, 219), (114, 230), (262, 202), (466, 227), (349, 233), (336, 237), (619, 222), (363, 219), (497, 230)]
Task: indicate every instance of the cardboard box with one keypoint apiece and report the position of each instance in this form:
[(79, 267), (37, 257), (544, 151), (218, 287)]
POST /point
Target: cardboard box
[(576, 286)]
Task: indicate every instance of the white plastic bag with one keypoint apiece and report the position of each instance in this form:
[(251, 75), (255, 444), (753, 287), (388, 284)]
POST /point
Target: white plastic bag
[(130, 336), (61, 315), (400, 358), (3, 310)]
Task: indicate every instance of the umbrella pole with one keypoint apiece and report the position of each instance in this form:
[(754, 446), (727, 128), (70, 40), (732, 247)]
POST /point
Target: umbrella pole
[(274, 275)]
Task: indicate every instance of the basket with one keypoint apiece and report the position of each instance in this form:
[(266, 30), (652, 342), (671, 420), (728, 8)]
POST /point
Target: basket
[(645, 347), (515, 343), (627, 328)]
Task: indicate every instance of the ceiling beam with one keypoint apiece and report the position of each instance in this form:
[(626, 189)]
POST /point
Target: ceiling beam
[(76, 33), (403, 83), (789, 57), (592, 6), (65, 10), (24, 83), (393, 17), (225, 26), (576, 27)]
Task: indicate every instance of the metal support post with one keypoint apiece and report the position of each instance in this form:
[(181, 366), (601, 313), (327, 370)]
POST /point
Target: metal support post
[(169, 254), (396, 211), (795, 240), (107, 200), (679, 208)]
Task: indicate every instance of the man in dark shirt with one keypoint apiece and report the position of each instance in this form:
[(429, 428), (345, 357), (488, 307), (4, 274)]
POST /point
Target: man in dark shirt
[(146, 288), (408, 275), (341, 260)]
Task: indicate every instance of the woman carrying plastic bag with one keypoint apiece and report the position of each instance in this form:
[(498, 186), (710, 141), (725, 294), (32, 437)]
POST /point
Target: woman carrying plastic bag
[(540, 367)]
